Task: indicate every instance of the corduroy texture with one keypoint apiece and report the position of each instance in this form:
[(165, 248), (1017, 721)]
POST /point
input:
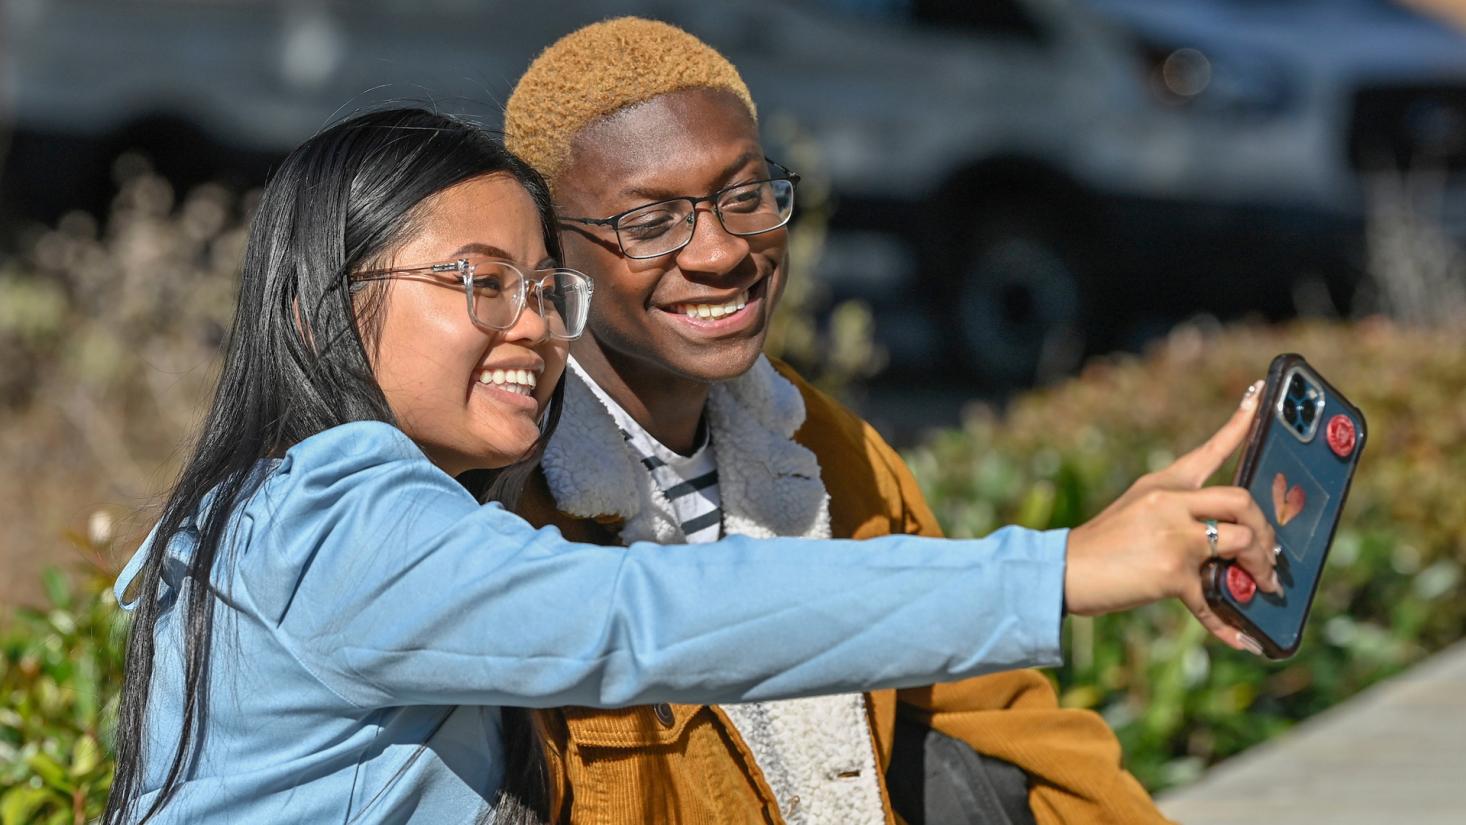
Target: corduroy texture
[(599, 70)]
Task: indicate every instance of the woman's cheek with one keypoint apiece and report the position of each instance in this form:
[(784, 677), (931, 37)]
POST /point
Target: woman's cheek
[(555, 353)]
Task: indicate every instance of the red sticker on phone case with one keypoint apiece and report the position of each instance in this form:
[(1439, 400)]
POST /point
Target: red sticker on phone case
[(1241, 584), (1340, 433)]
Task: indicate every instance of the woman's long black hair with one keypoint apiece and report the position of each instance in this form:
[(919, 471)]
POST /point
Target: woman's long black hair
[(297, 364)]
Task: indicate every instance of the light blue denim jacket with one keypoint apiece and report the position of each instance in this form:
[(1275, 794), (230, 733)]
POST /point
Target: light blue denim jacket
[(372, 619)]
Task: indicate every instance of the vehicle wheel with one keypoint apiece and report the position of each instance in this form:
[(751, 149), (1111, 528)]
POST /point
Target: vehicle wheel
[(1017, 308)]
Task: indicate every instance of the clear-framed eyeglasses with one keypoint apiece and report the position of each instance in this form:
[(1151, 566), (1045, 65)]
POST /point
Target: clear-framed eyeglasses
[(497, 292), (659, 228)]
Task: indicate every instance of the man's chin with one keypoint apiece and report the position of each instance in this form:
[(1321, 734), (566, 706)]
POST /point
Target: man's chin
[(722, 363)]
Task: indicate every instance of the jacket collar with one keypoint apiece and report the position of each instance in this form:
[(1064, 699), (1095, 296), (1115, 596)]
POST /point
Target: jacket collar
[(770, 484)]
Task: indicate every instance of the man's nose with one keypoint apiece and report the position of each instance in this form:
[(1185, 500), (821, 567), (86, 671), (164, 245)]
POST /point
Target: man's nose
[(713, 249)]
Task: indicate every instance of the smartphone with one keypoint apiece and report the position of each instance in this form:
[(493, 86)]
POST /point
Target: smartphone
[(1298, 462)]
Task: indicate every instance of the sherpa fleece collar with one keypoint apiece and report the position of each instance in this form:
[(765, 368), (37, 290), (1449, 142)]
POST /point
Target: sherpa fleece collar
[(770, 485)]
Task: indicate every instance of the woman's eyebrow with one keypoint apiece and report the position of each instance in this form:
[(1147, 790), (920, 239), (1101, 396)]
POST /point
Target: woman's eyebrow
[(482, 249), (490, 251)]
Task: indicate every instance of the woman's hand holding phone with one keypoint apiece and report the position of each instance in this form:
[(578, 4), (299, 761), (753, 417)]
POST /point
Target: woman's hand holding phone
[(1152, 541)]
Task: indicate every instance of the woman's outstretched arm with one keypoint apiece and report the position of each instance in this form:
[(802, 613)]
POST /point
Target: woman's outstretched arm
[(393, 586)]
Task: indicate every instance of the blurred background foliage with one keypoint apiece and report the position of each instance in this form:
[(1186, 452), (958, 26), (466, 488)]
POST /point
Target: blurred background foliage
[(1393, 590), (111, 330), (830, 343), (60, 668)]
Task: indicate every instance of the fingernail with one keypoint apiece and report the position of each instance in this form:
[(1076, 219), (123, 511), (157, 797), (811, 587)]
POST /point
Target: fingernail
[(1249, 398), (1249, 643), (1277, 583)]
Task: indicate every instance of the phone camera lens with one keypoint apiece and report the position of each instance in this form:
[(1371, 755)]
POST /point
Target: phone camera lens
[(1309, 411), (1295, 387), (1290, 409)]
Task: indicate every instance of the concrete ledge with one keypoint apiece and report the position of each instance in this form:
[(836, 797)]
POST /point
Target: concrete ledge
[(1394, 753)]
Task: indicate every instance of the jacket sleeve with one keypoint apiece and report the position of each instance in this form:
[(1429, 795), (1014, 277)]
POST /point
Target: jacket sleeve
[(1071, 756), (912, 513), (392, 586)]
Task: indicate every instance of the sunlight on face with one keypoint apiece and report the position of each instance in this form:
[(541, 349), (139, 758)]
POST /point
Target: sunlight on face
[(458, 390), (688, 143)]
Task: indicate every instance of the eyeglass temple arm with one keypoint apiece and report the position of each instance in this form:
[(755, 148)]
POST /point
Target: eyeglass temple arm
[(382, 274)]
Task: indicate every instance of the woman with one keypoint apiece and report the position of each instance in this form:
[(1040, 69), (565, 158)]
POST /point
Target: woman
[(328, 625)]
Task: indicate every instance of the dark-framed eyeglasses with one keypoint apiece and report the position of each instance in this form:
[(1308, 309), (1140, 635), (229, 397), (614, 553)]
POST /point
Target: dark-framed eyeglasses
[(744, 209), (498, 290)]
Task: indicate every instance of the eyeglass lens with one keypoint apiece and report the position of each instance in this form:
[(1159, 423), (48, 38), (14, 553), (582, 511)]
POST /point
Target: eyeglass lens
[(743, 210), (561, 297)]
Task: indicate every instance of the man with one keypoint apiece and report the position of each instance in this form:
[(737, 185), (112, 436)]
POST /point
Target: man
[(677, 430)]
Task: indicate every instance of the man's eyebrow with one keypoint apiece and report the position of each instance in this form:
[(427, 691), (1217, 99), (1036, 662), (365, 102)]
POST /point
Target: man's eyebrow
[(654, 194)]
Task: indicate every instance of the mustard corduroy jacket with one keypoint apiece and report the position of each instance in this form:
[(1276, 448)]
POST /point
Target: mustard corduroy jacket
[(686, 764)]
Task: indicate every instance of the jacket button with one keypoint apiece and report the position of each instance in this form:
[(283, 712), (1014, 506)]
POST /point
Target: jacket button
[(664, 714)]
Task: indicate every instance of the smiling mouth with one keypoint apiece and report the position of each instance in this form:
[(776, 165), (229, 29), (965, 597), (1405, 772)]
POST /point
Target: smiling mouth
[(711, 311), (521, 382), (704, 312)]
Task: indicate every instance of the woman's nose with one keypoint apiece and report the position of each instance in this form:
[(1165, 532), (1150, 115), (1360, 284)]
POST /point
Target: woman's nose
[(530, 326)]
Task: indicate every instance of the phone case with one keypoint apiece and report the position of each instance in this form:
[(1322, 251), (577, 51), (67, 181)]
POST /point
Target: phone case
[(1299, 472)]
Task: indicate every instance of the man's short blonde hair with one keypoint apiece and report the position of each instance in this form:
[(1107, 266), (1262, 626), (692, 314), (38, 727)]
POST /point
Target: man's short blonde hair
[(599, 70)]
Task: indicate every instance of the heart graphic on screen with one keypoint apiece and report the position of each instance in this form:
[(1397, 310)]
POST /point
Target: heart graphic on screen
[(1287, 501)]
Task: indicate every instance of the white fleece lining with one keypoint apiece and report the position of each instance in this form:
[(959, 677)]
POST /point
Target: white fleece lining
[(815, 753)]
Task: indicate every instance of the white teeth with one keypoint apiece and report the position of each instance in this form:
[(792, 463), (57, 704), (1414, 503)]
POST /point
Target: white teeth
[(713, 311), (522, 382)]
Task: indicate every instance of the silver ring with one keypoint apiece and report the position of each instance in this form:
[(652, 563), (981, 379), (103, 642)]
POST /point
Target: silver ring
[(1212, 535), (1277, 550)]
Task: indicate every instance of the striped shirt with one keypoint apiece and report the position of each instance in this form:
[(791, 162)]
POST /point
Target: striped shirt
[(690, 482)]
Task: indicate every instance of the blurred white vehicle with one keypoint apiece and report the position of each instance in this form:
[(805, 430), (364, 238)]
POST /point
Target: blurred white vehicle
[(1023, 179)]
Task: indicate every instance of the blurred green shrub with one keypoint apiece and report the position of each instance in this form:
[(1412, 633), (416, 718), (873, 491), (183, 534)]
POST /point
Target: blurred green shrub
[(60, 670), (1393, 590)]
